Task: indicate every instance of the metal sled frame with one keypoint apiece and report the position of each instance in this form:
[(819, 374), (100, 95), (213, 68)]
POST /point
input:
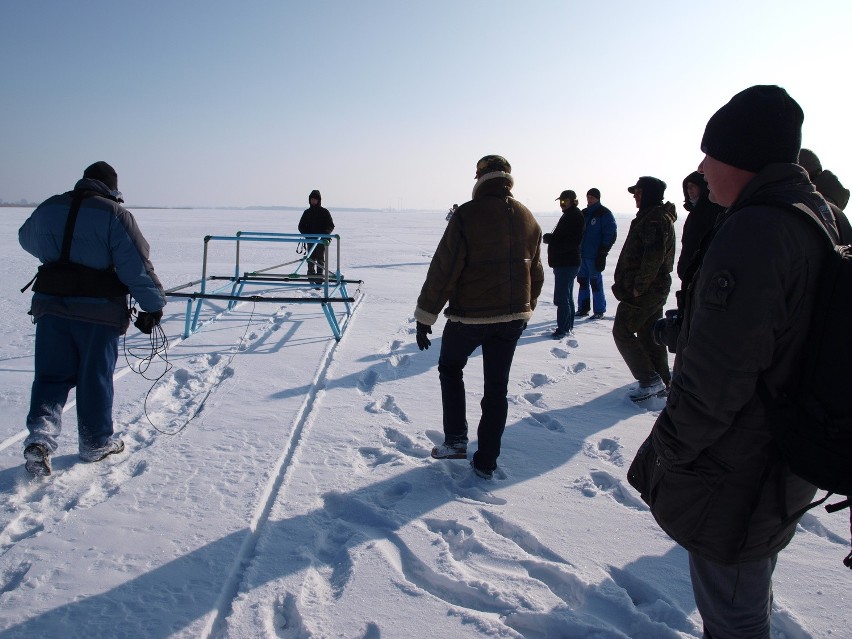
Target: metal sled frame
[(332, 285)]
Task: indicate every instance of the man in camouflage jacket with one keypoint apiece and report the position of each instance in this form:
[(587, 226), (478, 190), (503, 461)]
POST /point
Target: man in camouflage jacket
[(641, 285)]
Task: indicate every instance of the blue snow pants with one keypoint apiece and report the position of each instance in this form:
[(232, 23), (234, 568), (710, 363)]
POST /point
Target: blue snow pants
[(589, 277), (72, 353)]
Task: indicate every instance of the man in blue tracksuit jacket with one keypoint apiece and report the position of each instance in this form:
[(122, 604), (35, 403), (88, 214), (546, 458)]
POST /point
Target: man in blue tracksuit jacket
[(80, 314), (598, 238)]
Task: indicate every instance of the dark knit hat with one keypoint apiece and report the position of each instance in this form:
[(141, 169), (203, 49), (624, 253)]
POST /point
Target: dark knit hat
[(758, 126), (104, 173), (492, 164), (315, 195), (594, 193), (567, 195)]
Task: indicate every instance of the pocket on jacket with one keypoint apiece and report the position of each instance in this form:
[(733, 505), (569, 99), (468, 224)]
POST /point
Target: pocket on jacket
[(718, 288), (681, 498), (642, 468)]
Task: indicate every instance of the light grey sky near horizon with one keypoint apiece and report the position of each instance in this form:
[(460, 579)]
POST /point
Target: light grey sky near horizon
[(389, 104)]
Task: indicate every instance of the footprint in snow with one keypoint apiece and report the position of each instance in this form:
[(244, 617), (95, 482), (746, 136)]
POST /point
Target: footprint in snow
[(521, 537), (375, 457), (548, 422), (367, 382), (399, 361), (600, 481), (404, 444), (535, 399), (559, 353), (607, 449), (461, 540), (539, 379)]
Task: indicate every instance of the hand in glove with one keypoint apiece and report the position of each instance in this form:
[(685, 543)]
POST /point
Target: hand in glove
[(423, 342), (600, 261), (146, 322)]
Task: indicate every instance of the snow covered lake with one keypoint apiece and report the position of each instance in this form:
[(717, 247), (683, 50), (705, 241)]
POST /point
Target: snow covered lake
[(277, 483)]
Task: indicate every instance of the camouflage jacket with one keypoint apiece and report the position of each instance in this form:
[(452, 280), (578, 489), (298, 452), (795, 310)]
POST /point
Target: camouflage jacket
[(647, 257)]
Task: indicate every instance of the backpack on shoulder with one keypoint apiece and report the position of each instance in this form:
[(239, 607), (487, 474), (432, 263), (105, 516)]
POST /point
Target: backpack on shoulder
[(813, 423)]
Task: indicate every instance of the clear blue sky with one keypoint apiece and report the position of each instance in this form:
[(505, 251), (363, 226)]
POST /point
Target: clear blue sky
[(388, 104)]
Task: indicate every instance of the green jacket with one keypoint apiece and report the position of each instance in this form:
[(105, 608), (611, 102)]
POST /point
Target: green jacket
[(647, 257)]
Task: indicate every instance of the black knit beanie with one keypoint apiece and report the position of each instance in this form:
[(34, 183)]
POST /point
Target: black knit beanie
[(102, 172), (758, 126)]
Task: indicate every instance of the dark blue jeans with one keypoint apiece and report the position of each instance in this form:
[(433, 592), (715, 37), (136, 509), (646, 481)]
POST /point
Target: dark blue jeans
[(72, 353), (498, 343), (563, 296)]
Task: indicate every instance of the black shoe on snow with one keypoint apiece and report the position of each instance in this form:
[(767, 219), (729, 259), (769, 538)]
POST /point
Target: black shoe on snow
[(450, 451), (112, 447), (37, 458)]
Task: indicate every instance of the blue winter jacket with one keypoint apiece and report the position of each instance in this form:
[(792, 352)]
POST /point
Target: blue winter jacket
[(105, 235), (600, 231)]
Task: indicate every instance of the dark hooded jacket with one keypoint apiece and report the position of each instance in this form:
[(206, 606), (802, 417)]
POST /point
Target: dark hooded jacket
[(699, 221), (105, 236), (645, 264), (712, 476), (488, 263), (316, 219)]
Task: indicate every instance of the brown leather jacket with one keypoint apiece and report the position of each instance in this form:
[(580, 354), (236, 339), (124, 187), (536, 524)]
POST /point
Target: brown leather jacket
[(487, 264)]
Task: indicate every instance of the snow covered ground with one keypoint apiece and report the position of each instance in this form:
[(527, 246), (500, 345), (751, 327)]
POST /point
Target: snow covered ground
[(278, 484)]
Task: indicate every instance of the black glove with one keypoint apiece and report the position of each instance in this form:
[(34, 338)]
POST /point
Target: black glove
[(423, 342), (146, 322), (546, 238), (600, 261)]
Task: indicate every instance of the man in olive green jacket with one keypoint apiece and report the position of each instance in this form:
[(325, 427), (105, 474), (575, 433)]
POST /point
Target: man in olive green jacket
[(487, 270), (642, 281)]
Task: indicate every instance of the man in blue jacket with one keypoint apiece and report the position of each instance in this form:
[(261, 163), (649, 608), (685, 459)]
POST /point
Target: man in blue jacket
[(598, 238), (92, 255)]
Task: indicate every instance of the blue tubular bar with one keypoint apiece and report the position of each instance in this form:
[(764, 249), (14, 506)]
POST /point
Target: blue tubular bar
[(332, 284)]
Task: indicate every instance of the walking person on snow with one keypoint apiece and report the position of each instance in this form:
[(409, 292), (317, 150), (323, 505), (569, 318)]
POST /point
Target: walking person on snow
[(93, 255), (487, 270)]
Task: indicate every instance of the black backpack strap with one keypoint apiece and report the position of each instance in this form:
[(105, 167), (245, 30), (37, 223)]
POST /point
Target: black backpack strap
[(65, 254)]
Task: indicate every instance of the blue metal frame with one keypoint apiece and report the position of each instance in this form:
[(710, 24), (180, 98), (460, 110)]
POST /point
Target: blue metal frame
[(332, 284)]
